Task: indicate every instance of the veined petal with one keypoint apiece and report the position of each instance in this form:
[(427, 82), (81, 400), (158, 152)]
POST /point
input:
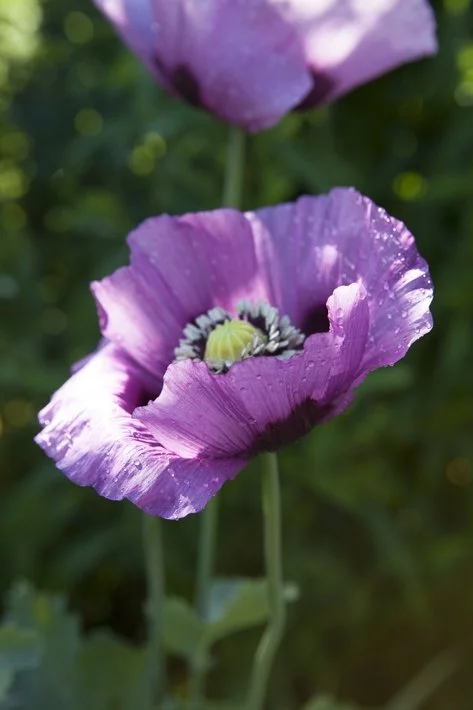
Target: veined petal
[(180, 268), (262, 402), (90, 433), (320, 243)]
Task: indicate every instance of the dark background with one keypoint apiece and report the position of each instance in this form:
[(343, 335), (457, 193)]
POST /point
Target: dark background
[(378, 526)]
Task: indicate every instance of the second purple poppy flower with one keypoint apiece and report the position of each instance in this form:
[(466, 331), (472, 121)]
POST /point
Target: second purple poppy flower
[(250, 62)]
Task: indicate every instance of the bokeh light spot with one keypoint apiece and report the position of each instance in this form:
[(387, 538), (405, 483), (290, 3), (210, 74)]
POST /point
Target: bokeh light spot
[(456, 7), (78, 28), (88, 122), (409, 185), (13, 217), (142, 160), (19, 413), (15, 144), (13, 183), (465, 57), (459, 472), (464, 93)]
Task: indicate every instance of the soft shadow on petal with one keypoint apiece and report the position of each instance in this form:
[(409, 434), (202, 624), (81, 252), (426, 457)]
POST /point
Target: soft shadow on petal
[(350, 42), (180, 267), (89, 432), (262, 402), (245, 59), (298, 254)]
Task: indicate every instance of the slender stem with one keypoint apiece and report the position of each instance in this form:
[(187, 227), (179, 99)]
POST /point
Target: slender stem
[(233, 185), (272, 636), (154, 560), (232, 191), (205, 563)]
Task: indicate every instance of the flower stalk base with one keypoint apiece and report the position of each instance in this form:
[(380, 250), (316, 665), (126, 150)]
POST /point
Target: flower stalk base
[(271, 639)]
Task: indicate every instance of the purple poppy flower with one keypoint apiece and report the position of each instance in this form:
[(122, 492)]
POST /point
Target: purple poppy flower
[(231, 334), (251, 61)]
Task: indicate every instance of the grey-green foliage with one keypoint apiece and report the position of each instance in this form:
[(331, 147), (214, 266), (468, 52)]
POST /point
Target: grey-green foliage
[(235, 605), (52, 667)]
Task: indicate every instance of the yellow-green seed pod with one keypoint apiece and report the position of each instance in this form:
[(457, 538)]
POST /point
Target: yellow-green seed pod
[(229, 341)]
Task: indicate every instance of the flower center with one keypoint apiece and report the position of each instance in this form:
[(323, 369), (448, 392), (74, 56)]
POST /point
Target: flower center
[(220, 339), (232, 341)]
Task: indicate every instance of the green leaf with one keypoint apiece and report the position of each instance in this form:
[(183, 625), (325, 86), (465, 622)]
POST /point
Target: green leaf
[(53, 684), (239, 604), (182, 628), (57, 668), (112, 673), (19, 648), (327, 702), (6, 679)]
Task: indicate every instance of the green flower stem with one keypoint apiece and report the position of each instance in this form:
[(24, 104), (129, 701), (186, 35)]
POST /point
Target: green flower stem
[(271, 639), (233, 185), (154, 560), (232, 192), (207, 547)]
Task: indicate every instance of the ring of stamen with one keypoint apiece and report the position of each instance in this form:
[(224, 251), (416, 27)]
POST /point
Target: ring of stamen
[(220, 339)]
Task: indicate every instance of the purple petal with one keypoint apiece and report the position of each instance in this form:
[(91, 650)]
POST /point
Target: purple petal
[(350, 42), (262, 402), (133, 20), (240, 60), (180, 267), (323, 242), (90, 433)]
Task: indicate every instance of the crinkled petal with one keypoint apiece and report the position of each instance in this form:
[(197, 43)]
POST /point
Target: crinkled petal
[(262, 402), (180, 268), (350, 42), (89, 431), (323, 242)]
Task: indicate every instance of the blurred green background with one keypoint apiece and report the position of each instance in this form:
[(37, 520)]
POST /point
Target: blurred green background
[(378, 524)]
